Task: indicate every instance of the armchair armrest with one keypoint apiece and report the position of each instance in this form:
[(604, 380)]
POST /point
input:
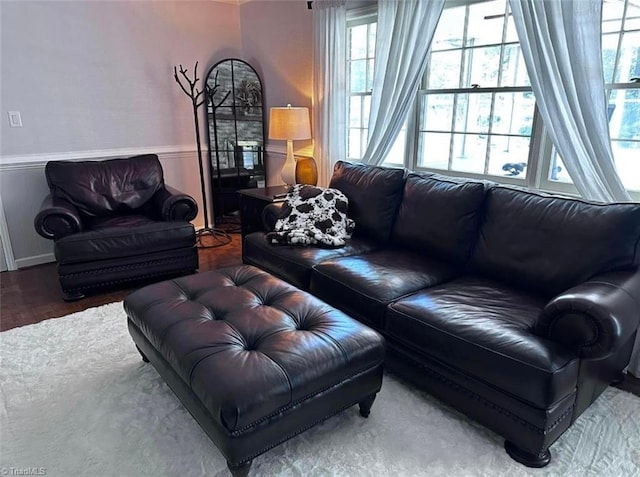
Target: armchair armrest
[(57, 218), (594, 318), (270, 214), (172, 204)]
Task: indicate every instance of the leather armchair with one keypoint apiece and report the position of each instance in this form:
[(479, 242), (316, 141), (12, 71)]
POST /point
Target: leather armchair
[(115, 222)]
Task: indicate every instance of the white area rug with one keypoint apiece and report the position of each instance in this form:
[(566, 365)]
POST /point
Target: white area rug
[(77, 400)]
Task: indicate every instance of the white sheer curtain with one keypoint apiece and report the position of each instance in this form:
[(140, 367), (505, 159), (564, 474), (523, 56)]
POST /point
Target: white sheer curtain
[(562, 46), (329, 85), (403, 38)]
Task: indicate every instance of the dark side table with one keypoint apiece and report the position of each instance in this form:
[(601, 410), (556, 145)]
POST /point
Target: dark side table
[(252, 203)]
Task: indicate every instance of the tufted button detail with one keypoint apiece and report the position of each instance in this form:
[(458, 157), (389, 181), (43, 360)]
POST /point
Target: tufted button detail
[(239, 341)]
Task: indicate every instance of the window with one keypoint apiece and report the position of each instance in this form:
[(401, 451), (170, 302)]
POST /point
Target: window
[(476, 109), (621, 62), (475, 114), (361, 35)]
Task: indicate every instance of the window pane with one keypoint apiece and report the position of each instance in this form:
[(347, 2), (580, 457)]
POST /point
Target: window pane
[(508, 156), (434, 150), (481, 67), (353, 146), (396, 154), (512, 34), (632, 21), (372, 40), (469, 151), (450, 28), (557, 170), (514, 69), (627, 156), (472, 113), (444, 70), (486, 21), (366, 110), (357, 75), (513, 113), (370, 75), (358, 43), (612, 12), (355, 111), (624, 122), (609, 48), (436, 112), (629, 63)]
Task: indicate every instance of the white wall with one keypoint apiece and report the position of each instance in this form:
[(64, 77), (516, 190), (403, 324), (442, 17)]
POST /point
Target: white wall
[(276, 40), (89, 75), (94, 79)]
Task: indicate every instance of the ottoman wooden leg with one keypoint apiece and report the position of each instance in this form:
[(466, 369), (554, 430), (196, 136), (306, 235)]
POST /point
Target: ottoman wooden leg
[(144, 358), (241, 470), (365, 405)]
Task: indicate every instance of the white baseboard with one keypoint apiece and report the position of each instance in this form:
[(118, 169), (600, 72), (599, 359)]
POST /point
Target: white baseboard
[(35, 260)]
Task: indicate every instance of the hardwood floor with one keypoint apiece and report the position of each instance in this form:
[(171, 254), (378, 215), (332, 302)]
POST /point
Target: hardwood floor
[(31, 295)]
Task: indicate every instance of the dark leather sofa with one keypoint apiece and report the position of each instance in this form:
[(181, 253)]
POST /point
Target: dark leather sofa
[(515, 307), (115, 222)]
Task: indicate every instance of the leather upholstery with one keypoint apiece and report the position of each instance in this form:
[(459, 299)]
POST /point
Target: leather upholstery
[(550, 243), (516, 307), (594, 319), (112, 238), (486, 329), (57, 218), (294, 347), (174, 205), (293, 263), (116, 221), (364, 284), (374, 195), (98, 188), (439, 216), (263, 360)]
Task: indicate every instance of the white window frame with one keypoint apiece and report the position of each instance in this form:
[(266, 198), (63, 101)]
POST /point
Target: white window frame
[(540, 149)]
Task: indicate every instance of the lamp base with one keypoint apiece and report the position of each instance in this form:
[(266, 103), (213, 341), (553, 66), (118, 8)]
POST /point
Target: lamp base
[(288, 172)]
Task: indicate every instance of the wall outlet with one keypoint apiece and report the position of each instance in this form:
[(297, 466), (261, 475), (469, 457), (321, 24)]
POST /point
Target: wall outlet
[(15, 121)]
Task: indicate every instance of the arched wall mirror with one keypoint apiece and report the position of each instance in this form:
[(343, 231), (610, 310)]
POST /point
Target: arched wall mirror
[(235, 116)]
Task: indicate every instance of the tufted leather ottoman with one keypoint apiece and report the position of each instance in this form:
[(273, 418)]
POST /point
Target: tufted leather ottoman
[(255, 360)]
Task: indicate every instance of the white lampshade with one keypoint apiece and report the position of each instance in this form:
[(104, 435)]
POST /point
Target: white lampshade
[(289, 123)]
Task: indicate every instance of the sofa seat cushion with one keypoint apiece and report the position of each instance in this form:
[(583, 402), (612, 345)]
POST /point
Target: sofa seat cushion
[(123, 236), (364, 285), (293, 263), (485, 329)]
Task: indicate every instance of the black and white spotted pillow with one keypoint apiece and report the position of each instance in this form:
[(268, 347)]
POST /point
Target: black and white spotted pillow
[(313, 215)]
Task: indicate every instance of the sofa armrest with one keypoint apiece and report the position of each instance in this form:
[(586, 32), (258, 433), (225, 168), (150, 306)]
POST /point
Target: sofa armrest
[(171, 204), (57, 218), (270, 214), (594, 318)]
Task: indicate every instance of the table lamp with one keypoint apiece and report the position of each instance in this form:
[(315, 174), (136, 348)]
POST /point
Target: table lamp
[(289, 124)]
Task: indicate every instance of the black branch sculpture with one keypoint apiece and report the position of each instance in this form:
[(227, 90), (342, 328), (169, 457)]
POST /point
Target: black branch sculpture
[(219, 237)]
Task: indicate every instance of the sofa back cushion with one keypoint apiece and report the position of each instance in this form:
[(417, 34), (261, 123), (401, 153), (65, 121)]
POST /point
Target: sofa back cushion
[(374, 194), (439, 216), (101, 188), (550, 243)]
